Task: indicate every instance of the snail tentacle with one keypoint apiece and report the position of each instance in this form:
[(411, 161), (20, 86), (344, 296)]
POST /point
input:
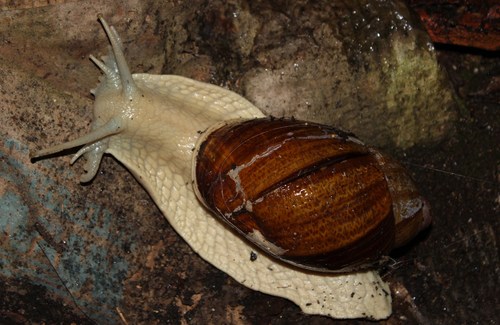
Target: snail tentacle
[(128, 85)]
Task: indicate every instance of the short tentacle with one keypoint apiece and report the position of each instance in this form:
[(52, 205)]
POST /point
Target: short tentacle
[(93, 154), (104, 68), (110, 70), (87, 149)]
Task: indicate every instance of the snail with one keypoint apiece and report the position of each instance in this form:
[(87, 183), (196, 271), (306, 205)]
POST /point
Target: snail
[(287, 207)]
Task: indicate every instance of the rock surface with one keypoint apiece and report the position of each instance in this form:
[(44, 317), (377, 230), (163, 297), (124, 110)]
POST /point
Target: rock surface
[(103, 251)]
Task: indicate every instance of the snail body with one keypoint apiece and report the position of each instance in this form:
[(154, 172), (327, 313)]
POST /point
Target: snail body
[(195, 146)]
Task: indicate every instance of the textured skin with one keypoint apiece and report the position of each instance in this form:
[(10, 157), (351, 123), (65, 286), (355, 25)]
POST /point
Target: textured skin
[(155, 128), (340, 296)]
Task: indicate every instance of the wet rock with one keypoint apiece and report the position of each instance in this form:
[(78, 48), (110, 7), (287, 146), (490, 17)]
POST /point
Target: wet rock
[(365, 66)]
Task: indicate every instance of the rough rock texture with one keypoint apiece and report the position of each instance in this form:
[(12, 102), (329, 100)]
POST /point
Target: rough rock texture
[(72, 253), (365, 66)]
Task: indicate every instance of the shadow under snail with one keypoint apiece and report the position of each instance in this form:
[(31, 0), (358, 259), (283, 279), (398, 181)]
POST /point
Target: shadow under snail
[(324, 206)]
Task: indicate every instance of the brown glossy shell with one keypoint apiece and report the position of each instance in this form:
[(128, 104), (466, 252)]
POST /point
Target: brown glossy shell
[(306, 193)]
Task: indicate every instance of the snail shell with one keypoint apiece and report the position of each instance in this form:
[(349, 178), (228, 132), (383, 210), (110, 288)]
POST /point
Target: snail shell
[(152, 124), (308, 194)]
